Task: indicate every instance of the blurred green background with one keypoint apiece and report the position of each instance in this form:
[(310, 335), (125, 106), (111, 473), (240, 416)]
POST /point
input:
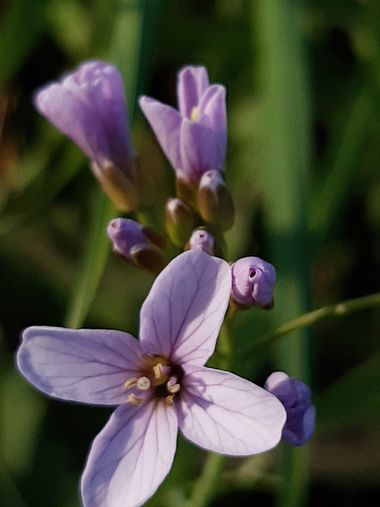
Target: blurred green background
[(303, 81)]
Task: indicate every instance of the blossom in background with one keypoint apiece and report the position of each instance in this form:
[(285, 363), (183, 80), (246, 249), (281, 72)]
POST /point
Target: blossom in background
[(159, 382), (88, 105), (253, 281), (194, 138), (137, 243), (296, 398)]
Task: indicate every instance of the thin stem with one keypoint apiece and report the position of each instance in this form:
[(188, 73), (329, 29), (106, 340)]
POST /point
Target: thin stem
[(342, 309), (206, 485)]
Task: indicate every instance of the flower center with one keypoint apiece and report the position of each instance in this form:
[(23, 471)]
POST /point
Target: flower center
[(159, 379)]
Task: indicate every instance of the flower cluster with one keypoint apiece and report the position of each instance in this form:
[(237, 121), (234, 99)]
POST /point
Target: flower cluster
[(159, 383)]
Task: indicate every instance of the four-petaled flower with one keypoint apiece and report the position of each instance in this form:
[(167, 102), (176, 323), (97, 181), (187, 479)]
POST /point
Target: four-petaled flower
[(159, 382), (88, 105), (194, 138)]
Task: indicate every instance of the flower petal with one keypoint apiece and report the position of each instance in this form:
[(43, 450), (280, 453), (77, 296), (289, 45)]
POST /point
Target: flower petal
[(191, 84), (131, 456), (198, 147), (69, 114), (184, 310), (89, 366), (227, 414), (165, 122), (213, 105)]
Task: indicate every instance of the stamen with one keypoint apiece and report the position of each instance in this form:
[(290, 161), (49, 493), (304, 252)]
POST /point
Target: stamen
[(173, 388), (160, 374), (134, 400), (130, 382), (143, 383), (194, 115), (169, 399)]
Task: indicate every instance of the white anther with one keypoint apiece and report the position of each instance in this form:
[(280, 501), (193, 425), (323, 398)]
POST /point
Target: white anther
[(143, 383)]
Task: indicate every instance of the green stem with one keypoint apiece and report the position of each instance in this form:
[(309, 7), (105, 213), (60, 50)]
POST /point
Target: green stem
[(207, 483), (131, 37), (311, 318), (93, 264), (284, 173)]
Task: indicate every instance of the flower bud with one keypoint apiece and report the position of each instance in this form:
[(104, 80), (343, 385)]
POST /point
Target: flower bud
[(215, 203), (203, 240), (296, 398), (137, 244), (179, 221), (253, 282)]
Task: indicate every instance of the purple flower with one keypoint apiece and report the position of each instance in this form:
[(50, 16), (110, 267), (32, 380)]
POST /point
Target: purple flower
[(88, 105), (253, 281), (194, 138), (159, 382), (296, 398)]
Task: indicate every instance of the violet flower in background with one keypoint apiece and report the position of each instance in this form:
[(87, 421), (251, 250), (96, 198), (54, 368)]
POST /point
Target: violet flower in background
[(137, 243), (253, 281), (159, 382), (296, 398), (194, 138), (88, 105)]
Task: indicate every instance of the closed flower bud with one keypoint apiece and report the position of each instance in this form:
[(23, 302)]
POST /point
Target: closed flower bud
[(88, 105), (179, 221), (203, 240), (215, 203), (253, 281), (137, 244), (296, 398)]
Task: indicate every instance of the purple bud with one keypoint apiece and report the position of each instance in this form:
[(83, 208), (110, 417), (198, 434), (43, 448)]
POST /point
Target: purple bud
[(296, 398), (203, 240), (88, 105), (194, 138), (214, 201), (179, 221), (137, 244), (253, 282)]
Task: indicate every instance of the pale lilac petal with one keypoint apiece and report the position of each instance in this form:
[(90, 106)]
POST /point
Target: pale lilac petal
[(191, 84), (131, 456), (89, 366), (182, 315), (70, 116), (165, 122), (198, 147), (213, 105), (88, 105), (227, 414), (104, 92)]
